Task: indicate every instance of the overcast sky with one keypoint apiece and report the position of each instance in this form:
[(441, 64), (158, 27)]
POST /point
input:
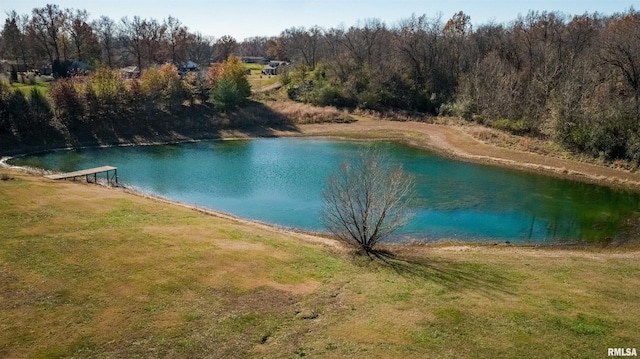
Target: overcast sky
[(242, 19)]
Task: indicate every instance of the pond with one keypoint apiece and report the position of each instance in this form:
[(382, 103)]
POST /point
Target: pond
[(280, 181)]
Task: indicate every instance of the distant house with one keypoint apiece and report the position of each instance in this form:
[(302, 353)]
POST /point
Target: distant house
[(253, 60), (45, 70), (130, 72), (274, 67), (78, 68), (269, 70), (189, 66), (79, 65), (185, 68)]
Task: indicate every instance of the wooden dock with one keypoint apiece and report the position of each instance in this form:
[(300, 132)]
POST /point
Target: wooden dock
[(90, 174)]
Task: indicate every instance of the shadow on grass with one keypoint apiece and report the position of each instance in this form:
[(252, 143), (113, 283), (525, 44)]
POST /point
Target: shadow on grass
[(453, 275)]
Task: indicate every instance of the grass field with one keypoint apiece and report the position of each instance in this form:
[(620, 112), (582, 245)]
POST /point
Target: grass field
[(92, 272), (257, 79), (256, 69), (26, 88)]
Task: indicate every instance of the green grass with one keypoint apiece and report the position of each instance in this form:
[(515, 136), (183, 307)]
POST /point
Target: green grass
[(257, 80), (256, 69), (87, 271), (26, 88)]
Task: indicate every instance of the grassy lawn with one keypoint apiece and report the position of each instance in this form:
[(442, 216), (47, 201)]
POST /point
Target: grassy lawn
[(260, 81), (26, 88), (256, 69), (256, 79), (87, 271)]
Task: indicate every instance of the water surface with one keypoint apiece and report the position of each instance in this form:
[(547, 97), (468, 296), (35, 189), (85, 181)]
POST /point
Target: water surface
[(280, 181)]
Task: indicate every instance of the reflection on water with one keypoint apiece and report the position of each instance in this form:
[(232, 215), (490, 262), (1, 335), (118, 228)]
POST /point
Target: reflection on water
[(280, 181)]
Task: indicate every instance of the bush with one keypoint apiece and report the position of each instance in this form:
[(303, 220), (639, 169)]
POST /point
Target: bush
[(5, 125), (516, 127), (574, 137), (326, 95), (633, 147), (230, 87), (40, 107), (66, 101), (366, 200), (18, 109), (460, 108), (152, 86), (285, 76), (226, 95), (61, 69), (369, 100), (609, 140), (235, 71), (293, 93), (301, 91)]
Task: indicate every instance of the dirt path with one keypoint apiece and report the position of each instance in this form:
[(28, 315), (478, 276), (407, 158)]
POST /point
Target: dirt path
[(271, 87), (457, 142)]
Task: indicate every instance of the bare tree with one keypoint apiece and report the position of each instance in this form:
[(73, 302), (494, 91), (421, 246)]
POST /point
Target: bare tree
[(276, 49), (142, 39), (254, 46), (420, 45), (176, 38), (47, 25), (84, 40), (457, 32), (106, 30), (199, 48), (363, 42), (367, 200), (225, 46), (131, 37), (302, 44), (152, 35), (621, 50)]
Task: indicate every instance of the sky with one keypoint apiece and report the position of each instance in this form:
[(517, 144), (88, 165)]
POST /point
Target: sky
[(243, 19)]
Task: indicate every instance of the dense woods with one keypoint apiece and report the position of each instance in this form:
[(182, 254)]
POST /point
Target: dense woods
[(571, 79)]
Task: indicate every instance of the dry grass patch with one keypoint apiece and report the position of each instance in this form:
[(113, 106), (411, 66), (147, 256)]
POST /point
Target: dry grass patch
[(300, 113)]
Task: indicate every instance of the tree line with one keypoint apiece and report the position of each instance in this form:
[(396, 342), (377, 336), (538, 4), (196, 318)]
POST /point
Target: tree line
[(572, 79), (51, 35)]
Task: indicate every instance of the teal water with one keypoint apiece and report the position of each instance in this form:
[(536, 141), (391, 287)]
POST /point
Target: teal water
[(280, 181)]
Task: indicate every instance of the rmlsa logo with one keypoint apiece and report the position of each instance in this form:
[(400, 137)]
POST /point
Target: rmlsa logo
[(622, 352)]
